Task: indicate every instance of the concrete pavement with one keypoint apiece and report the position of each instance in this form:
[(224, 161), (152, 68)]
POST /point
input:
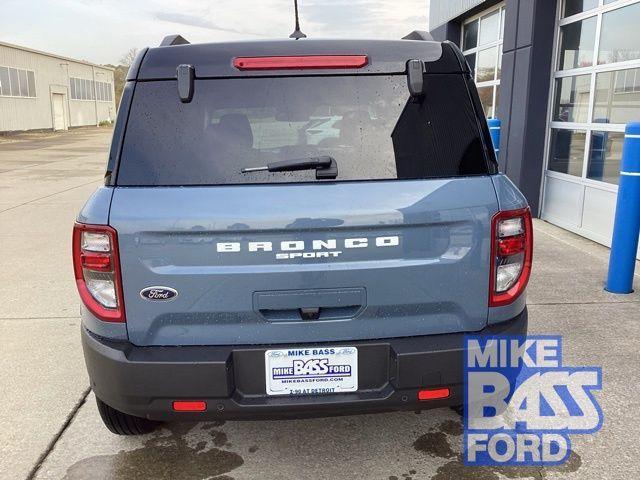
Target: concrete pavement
[(51, 428), (42, 182)]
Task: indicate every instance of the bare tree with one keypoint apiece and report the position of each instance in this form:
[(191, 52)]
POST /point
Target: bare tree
[(127, 58)]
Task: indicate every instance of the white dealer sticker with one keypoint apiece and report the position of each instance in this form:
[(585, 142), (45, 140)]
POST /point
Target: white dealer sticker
[(311, 371)]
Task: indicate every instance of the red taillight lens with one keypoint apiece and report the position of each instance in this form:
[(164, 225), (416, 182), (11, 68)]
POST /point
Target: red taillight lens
[(96, 266), (189, 406), (511, 255), (511, 246), (96, 261), (433, 394), (303, 62)]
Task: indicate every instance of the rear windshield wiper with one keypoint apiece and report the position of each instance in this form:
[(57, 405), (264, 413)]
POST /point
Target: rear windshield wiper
[(325, 166)]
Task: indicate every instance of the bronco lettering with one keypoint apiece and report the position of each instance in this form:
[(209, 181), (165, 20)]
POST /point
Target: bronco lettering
[(321, 248)]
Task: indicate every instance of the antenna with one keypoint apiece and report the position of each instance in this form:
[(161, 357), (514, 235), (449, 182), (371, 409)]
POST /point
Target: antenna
[(297, 34)]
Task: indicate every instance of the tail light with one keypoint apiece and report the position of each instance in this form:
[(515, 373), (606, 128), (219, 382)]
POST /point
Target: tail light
[(96, 264), (511, 254)]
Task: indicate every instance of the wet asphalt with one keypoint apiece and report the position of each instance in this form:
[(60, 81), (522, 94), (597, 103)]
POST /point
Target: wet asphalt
[(51, 428)]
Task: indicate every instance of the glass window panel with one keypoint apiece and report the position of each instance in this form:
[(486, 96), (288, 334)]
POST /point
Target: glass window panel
[(620, 36), (83, 90), (629, 81), (499, 70), (502, 10), (577, 41), (486, 99), (470, 35), (489, 28), (571, 102), (110, 93), (15, 86), (497, 102), (99, 91), (621, 77), (616, 100), (31, 80), (604, 156), (486, 66), (5, 87), (24, 84), (471, 60), (72, 87), (571, 7), (567, 151)]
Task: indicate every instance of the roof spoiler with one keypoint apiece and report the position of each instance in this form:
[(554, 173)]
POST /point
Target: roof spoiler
[(419, 35), (170, 40)]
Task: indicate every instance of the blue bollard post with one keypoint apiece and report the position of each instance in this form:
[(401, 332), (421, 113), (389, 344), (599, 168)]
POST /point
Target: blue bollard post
[(494, 130), (624, 245)]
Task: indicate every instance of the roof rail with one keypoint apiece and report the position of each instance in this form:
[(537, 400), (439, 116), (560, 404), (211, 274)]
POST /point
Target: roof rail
[(170, 40), (419, 35)]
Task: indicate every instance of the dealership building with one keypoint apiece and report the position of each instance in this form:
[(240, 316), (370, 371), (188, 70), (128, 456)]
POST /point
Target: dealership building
[(563, 76), (43, 91)]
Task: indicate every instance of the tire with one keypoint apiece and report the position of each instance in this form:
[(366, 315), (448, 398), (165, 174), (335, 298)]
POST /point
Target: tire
[(459, 409), (122, 423)]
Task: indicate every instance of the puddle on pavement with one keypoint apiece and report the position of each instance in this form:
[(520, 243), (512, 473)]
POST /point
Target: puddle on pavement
[(435, 443), (165, 457)]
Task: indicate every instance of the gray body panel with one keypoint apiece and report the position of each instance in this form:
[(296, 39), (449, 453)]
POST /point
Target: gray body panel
[(435, 280), (96, 209)]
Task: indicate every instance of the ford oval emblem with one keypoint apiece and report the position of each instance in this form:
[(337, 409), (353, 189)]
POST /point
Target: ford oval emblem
[(161, 294)]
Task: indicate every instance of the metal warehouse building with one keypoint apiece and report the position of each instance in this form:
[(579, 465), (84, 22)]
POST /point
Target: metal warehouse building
[(40, 90), (563, 76)]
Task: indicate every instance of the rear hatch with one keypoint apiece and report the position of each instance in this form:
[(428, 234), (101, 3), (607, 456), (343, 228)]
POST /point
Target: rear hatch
[(396, 245)]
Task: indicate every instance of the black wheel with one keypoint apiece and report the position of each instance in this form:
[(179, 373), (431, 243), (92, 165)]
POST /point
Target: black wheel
[(122, 423), (459, 409)]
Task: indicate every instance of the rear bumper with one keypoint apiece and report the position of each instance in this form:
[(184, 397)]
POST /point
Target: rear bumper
[(144, 381)]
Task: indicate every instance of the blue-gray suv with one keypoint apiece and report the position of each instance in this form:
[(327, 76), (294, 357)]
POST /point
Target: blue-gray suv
[(295, 228)]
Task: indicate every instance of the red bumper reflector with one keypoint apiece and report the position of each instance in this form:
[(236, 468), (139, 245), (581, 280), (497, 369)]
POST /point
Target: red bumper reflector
[(300, 62), (435, 394), (190, 406)]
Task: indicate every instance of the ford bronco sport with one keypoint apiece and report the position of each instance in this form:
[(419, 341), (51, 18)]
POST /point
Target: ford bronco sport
[(292, 228)]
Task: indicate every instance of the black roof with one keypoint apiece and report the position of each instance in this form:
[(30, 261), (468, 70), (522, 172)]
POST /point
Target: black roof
[(216, 59)]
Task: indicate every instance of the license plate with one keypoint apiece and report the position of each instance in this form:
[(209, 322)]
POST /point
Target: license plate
[(311, 371)]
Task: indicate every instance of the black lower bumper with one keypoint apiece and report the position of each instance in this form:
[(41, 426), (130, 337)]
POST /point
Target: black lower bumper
[(144, 381)]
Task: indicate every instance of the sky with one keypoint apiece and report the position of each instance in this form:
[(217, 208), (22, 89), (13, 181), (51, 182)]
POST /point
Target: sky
[(102, 31)]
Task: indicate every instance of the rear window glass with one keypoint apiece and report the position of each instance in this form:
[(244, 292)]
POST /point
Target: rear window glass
[(366, 123)]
